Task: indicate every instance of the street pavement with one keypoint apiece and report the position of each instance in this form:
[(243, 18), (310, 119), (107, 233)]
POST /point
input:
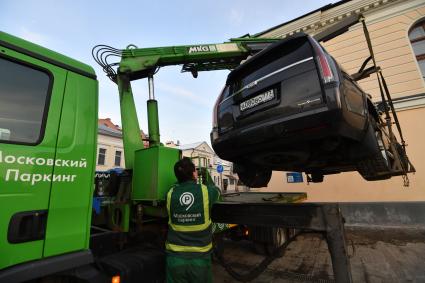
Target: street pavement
[(377, 254)]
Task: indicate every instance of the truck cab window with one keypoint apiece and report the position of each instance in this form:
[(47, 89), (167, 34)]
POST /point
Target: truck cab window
[(23, 95)]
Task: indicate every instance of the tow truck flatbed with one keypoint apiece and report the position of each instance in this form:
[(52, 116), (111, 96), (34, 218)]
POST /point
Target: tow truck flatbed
[(326, 218)]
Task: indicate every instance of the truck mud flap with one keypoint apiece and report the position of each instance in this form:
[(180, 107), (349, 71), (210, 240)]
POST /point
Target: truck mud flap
[(136, 265)]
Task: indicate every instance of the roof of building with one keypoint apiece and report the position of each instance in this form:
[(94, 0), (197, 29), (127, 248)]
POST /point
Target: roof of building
[(104, 130), (321, 9), (190, 145), (107, 127), (108, 123), (196, 146)]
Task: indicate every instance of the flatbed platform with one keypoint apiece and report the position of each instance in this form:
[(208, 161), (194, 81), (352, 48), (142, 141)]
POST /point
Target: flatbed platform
[(376, 254)]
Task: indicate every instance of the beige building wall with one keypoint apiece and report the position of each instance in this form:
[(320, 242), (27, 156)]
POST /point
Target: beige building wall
[(111, 144), (388, 23), (388, 30)]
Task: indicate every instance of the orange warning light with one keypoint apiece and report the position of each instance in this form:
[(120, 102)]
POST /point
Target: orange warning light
[(116, 279)]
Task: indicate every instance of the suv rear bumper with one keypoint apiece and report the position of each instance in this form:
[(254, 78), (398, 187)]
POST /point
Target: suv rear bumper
[(280, 134)]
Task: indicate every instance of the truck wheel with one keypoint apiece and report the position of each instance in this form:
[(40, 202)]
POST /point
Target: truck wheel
[(376, 167), (267, 240), (281, 237), (253, 176)]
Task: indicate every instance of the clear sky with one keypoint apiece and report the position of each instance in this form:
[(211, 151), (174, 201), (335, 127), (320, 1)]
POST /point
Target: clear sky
[(185, 104)]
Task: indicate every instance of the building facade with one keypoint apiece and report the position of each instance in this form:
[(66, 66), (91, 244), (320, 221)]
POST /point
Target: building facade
[(110, 149), (397, 31), (203, 156)]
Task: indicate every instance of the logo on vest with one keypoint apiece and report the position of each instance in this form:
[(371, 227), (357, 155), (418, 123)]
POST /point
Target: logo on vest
[(187, 199)]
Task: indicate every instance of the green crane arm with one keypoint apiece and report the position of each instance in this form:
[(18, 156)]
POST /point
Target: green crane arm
[(137, 63)]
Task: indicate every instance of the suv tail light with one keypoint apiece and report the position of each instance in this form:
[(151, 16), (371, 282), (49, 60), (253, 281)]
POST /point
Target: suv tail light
[(323, 62)]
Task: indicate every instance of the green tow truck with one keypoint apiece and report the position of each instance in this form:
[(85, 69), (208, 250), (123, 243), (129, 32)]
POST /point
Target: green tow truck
[(56, 223)]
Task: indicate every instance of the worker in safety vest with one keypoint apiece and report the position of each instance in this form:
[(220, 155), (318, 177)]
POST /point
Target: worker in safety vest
[(189, 238)]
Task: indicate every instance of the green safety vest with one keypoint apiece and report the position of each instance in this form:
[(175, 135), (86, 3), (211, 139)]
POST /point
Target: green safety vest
[(189, 222)]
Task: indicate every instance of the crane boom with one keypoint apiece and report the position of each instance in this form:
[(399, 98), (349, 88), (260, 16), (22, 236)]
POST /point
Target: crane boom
[(137, 63)]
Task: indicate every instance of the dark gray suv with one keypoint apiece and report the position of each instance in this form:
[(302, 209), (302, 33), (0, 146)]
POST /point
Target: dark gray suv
[(291, 107)]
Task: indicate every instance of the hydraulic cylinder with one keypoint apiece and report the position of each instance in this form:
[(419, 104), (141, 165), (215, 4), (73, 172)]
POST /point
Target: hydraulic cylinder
[(153, 122)]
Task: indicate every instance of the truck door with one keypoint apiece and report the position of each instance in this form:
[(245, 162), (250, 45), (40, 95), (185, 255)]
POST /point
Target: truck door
[(31, 93)]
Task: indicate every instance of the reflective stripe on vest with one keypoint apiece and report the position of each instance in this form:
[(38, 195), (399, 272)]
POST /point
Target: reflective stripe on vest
[(191, 228), (188, 249)]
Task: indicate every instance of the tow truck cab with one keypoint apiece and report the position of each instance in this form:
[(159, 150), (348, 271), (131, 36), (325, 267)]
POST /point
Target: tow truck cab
[(48, 132)]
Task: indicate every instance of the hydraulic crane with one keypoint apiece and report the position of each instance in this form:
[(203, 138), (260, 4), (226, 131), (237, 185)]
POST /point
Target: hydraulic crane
[(138, 63)]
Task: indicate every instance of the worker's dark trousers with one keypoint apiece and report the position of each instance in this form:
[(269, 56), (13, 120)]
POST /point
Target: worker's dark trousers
[(189, 270)]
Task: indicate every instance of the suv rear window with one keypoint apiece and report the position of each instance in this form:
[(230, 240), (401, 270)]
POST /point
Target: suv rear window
[(23, 95), (279, 55)]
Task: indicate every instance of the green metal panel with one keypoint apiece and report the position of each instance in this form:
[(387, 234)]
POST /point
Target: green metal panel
[(130, 124), (69, 208), (19, 195), (153, 172)]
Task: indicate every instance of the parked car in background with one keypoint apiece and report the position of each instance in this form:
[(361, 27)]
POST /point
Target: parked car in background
[(291, 107)]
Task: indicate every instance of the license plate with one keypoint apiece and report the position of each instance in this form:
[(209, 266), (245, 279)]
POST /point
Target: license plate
[(257, 100)]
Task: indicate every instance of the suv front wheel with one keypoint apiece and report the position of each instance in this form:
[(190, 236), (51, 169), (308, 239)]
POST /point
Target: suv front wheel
[(252, 175)]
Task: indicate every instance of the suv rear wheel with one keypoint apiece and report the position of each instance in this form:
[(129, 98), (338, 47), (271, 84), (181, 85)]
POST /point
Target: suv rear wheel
[(377, 167), (253, 176)]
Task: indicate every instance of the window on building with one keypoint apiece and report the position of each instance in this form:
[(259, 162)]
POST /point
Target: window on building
[(417, 39), (232, 182), (118, 154), (24, 92), (101, 156)]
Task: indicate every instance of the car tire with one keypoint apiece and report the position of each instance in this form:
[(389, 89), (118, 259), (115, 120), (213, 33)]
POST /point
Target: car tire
[(378, 166), (268, 240), (252, 176)]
